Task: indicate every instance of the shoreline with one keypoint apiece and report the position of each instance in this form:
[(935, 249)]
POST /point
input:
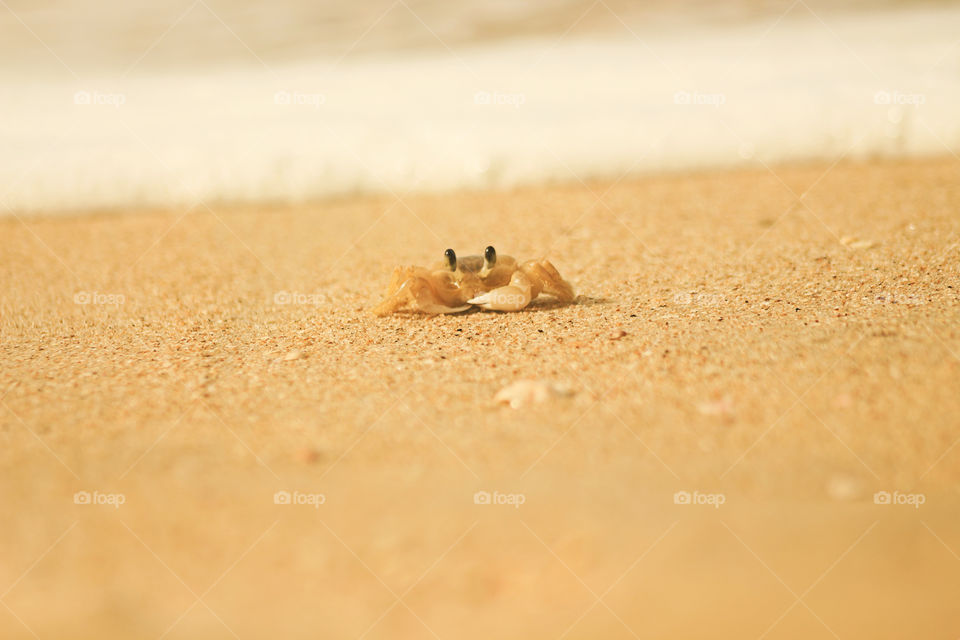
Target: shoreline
[(862, 86), (595, 183)]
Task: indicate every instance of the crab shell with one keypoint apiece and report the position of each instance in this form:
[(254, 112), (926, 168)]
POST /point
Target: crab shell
[(506, 285)]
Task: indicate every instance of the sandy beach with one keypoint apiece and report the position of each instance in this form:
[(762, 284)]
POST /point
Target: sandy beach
[(777, 346)]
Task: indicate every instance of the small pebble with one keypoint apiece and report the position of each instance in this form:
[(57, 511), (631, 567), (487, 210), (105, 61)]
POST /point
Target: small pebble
[(616, 335), (293, 355), (525, 392), (721, 407), (843, 401), (844, 488), (306, 455)]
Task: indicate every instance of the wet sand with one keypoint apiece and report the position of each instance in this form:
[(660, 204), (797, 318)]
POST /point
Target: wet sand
[(779, 345)]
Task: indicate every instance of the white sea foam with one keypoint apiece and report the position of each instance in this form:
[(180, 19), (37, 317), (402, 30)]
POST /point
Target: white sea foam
[(487, 116)]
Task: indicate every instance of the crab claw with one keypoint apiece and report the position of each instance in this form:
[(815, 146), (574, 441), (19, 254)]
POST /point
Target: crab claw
[(507, 298)]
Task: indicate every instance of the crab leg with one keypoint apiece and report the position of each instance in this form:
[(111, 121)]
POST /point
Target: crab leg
[(549, 279), (408, 287), (527, 282)]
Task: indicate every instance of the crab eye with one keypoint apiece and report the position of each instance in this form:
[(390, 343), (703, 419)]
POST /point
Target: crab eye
[(489, 257), (451, 259)]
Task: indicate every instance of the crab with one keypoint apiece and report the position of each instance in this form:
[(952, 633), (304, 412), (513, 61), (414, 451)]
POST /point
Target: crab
[(498, 283)]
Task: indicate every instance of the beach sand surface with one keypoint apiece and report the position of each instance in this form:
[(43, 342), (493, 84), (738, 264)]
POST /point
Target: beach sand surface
[(777, 345)]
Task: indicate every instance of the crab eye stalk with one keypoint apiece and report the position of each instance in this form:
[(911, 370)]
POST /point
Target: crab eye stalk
[(451, 259), (489, 257)]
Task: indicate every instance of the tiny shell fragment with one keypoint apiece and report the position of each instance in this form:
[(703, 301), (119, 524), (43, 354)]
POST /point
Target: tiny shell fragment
[(526, 392), (855, 243)]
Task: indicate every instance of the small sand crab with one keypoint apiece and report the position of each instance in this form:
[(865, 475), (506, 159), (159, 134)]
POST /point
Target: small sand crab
[(489, 281)]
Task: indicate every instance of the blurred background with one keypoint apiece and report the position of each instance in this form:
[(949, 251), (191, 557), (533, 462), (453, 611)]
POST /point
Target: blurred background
[(125, 104), (159, 104)]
